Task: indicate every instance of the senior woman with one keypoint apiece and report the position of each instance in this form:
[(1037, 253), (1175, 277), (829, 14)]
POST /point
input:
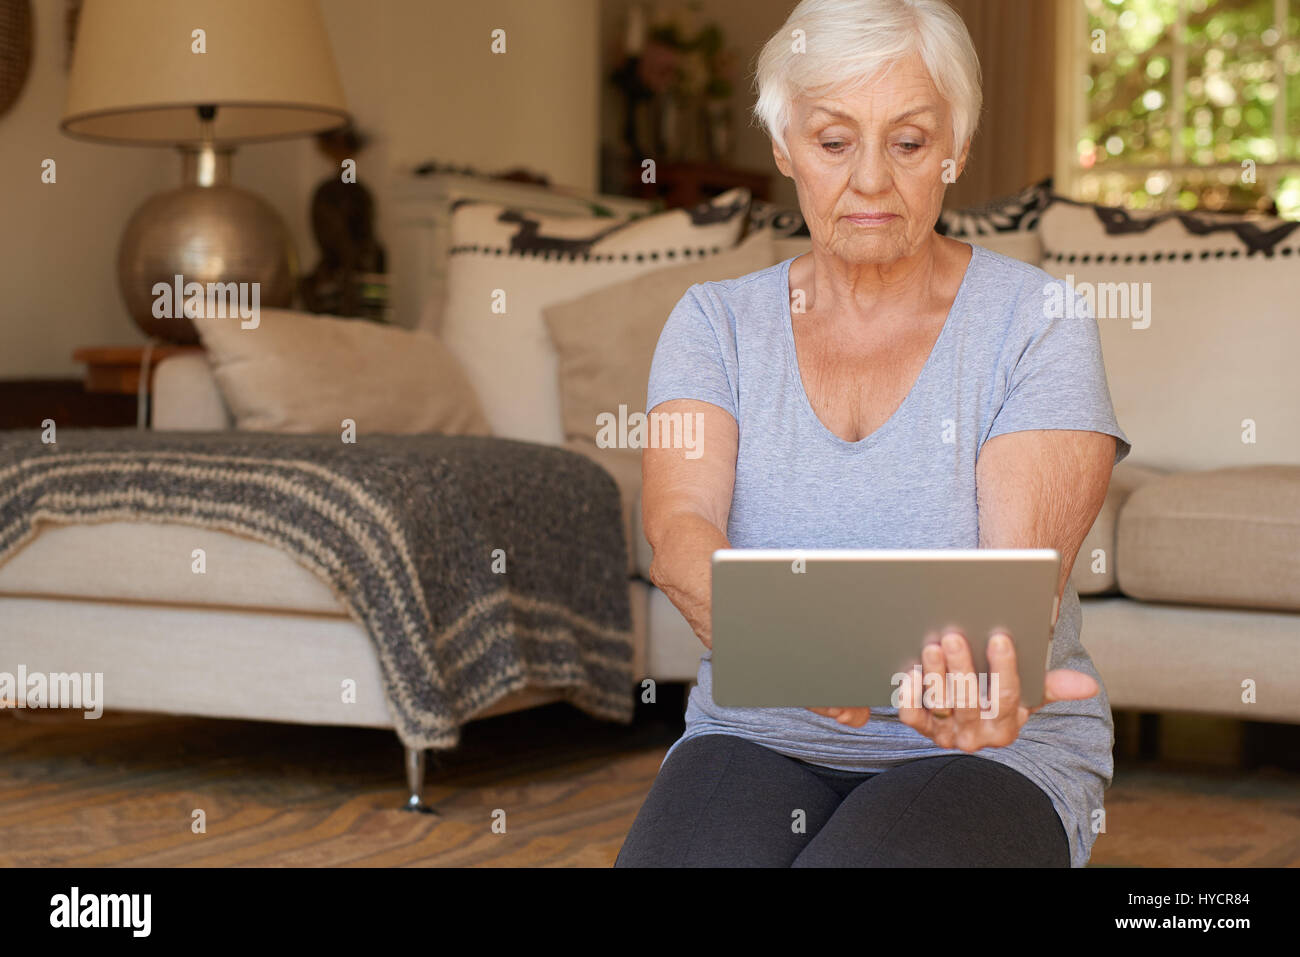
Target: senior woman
[(890, 389)]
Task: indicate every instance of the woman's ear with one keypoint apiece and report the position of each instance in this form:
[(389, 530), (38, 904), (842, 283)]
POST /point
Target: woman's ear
[(961, 160), (782, 161)]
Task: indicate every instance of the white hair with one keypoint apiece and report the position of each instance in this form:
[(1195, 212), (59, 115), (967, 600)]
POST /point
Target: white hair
[(845, 43)]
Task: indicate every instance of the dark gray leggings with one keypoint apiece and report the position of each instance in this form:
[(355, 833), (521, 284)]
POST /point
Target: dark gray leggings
[(722, 801)]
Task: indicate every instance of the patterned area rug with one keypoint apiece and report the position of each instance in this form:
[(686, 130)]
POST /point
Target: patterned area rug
[(123, 791), (1159, 817)]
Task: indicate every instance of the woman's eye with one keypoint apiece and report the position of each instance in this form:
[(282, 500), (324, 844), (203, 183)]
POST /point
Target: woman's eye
[(833, 146), (910, 147)]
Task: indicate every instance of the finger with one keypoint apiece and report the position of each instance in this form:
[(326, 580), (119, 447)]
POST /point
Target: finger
[(1063, 684), (968, 729), (1005, 715), (854, 717), (935, 695), (961, 669), (911, 704), (934, 692)]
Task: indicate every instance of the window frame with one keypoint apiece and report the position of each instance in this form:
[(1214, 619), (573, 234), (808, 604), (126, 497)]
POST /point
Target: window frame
[(1072, 53)]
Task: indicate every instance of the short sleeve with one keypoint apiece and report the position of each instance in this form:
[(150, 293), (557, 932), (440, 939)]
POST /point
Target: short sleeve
[(1058, 378), (695, 357)]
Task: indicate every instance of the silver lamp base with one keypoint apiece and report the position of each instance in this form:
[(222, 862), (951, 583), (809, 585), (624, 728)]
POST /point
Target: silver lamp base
[(207, 231)]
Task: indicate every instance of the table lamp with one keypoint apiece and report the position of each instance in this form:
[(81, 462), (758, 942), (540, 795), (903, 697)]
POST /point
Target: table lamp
[(202, 75)]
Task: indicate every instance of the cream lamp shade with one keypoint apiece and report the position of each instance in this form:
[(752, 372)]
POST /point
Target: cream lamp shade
[(137, 77)]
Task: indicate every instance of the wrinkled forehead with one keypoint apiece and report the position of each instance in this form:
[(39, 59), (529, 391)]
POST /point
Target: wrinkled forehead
[(890, 98)]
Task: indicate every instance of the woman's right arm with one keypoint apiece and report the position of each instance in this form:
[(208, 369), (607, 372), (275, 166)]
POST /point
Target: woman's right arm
[(685, 503)]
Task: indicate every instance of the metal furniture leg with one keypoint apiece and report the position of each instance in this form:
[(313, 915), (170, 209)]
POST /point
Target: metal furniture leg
[(415, 760)]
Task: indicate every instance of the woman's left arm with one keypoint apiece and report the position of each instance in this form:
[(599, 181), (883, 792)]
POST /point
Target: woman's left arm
[(1036, 489), (1042, 489)]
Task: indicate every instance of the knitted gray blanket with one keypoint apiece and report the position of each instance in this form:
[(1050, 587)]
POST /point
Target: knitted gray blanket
[(478, 566)]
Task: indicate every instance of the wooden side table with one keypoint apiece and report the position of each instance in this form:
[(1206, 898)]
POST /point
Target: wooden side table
[(27, 403), (116, 369)]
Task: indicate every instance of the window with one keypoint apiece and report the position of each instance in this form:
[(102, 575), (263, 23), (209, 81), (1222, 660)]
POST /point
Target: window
[(1172, 104)]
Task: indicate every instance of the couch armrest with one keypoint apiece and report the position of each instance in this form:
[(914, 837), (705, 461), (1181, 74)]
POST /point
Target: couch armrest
[(186, 397)]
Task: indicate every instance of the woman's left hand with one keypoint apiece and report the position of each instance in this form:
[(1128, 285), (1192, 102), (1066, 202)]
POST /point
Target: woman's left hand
[(970, 728)]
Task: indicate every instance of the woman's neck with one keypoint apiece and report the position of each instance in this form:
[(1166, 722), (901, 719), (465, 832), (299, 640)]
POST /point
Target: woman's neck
[(871, 293)]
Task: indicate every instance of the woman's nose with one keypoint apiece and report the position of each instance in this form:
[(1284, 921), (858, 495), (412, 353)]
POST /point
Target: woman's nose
[(871, 173)]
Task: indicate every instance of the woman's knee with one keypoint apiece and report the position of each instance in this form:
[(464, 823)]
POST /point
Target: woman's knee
[(724, 801), (951, 811)]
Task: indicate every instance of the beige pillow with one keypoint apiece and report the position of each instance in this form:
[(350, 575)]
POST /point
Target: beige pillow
[(1224, 537), (606, 340), (299, 372)]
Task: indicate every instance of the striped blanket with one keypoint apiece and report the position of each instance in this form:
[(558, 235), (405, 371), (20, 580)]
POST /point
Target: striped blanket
[(478, 566)]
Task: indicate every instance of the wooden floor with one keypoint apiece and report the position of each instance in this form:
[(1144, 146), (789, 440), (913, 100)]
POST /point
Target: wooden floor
[(123, 791)]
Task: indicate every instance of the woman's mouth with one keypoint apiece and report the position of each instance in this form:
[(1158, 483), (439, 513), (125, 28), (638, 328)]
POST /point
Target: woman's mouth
[(871, 219)]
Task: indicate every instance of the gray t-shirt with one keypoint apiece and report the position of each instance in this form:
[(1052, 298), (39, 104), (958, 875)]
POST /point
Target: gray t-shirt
[(999, 365)]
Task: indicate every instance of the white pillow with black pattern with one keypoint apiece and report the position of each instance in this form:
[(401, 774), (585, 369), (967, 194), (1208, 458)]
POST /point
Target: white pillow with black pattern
[(1008, 214), (507, 265), (1199, 317)]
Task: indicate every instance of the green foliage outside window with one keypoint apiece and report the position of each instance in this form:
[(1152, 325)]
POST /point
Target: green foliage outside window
[(1187, 101)]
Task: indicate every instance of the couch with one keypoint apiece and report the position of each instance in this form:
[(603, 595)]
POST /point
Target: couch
[(1190, 577)]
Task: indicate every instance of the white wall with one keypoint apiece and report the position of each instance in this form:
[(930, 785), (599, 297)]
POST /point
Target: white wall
[(420, 79), (58, 242)]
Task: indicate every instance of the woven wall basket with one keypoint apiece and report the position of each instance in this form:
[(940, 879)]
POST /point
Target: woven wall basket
[(15, 49)]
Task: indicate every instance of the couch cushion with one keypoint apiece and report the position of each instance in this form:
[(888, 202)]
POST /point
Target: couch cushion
[(1228, 537), (151, 562), (506, 266), (1156, 657), (1202, 374), (299, 372), (1094, 566)]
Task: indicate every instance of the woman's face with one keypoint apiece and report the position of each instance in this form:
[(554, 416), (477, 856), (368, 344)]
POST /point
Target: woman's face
[(869, 166)]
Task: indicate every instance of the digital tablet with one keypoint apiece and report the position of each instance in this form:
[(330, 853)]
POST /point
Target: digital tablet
[(834, 628)]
